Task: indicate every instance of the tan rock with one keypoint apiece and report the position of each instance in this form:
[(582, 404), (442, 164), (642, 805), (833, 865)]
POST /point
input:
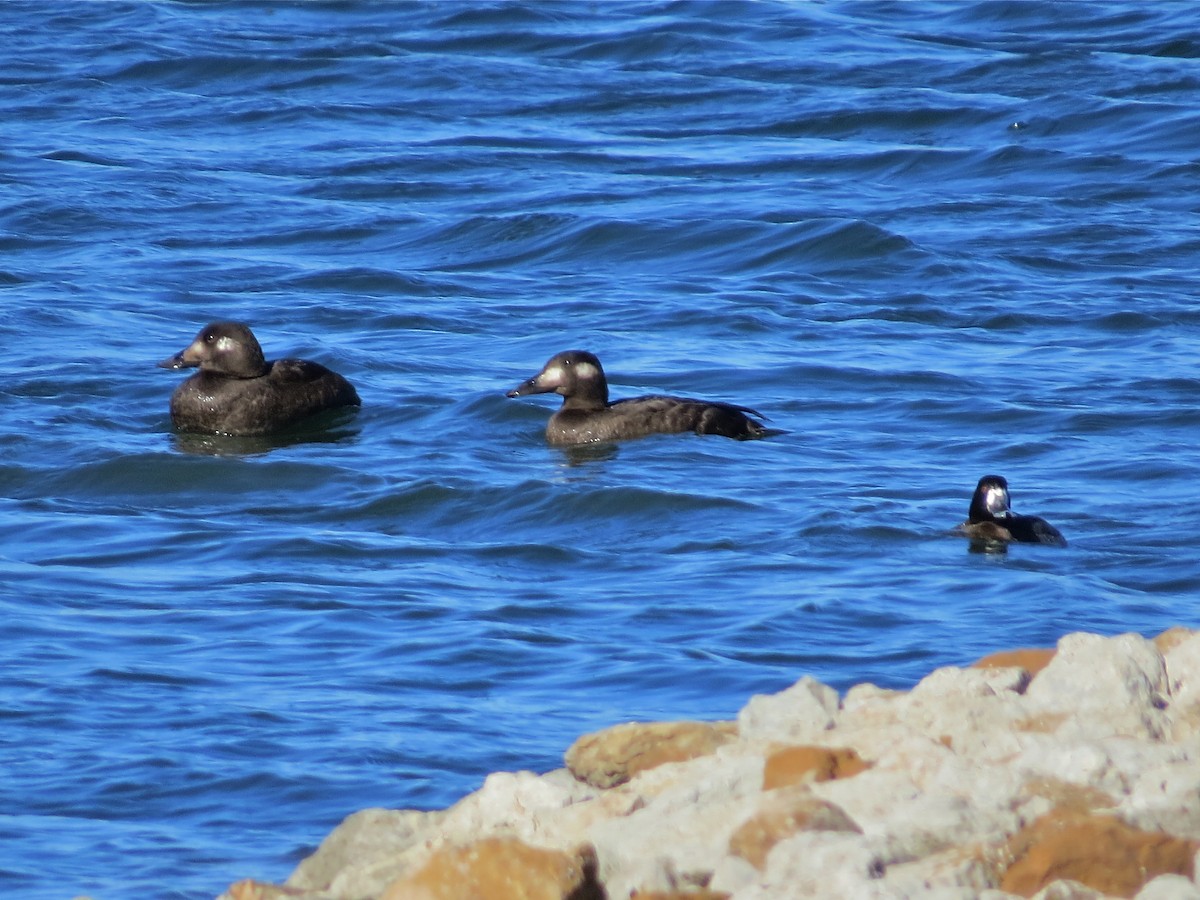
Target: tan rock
[(1031, 659), (1172, 638), (610, 757), (805, 764), (1068, 797), (700, 894), (1101, 852), (499, 868), (249, 889), (782, 814)]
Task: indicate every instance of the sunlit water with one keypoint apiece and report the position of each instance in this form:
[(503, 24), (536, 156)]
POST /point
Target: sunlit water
[(929, 241)]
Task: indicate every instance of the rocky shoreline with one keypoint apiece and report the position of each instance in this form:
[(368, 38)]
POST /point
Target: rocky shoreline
[(1067, 773)]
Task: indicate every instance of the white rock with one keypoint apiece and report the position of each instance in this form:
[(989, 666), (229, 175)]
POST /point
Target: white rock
[(1082, 763), (363, 840), (821, 865), (732, 873), (951, 681), (707, 779), (869, 797), (681, 825), (932, 823), (1183, 677), (662, 847), (801, 713), (1166, 797), (1102, 687), (1065, 889), (1169, 887), (964, 708), (868, 695), (511, 801), (952, 875)]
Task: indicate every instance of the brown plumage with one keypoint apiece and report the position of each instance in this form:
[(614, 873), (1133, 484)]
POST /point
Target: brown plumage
[(238, 392), (587, 416)]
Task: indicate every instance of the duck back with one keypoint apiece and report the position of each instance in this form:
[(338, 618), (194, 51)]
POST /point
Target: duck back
[(642, 416), (1033, 530), (290, 391)]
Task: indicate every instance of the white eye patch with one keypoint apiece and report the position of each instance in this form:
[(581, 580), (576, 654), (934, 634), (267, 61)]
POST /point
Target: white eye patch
[(225, 344), (586, 370)]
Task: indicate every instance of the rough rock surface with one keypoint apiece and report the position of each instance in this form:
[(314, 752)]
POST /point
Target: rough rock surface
[(613, 756), (500, 868), (1067, 773)]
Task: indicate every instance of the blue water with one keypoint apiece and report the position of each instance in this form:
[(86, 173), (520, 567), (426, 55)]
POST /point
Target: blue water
[(930, 241)]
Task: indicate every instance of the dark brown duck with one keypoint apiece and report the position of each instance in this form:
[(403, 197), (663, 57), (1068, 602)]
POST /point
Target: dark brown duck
[(991, 519), (238, 392), (586, 415)]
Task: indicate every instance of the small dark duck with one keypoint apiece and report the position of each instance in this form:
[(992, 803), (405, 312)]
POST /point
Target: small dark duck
[(991, 519), (238, 392), (586, 415)]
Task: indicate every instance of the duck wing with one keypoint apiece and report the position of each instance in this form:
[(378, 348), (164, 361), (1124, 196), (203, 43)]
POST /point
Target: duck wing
[(311, 385), (1034, 530), (673, 415)]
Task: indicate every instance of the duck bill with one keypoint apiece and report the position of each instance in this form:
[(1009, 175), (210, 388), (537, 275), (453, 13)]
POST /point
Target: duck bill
[(184, 359), (534, 385)]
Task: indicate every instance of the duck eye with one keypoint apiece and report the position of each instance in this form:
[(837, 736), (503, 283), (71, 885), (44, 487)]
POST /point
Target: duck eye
[(209, 337)]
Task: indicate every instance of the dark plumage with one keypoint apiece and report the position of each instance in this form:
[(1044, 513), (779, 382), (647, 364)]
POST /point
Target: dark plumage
[(238, 392), (990, 518), (587, 416)]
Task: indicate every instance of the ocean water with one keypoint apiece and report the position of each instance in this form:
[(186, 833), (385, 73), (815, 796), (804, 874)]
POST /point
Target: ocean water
[(929, 241)]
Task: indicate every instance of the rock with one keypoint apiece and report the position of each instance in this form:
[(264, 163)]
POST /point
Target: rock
[(362, 840), (1101, 852), (782, 814), (799, 714), (1164, 797), (520, 803), (1169, 887), (1182, 658), (1065, 889), (500, 869), (732, 874), (1068, 797), (1031, 660), (802, 764), (678, 831), (613, 756), (1172, 638), (1096, 687), (248, 889), (962, 873), (820, 864), (887, 795)]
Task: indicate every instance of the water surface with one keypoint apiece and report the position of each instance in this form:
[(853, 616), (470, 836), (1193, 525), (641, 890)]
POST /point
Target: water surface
[(930, 241)]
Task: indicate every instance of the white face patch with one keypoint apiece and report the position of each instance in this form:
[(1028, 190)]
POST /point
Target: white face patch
[(996, 500), (586, 370), (551, 376), (225, 345)]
